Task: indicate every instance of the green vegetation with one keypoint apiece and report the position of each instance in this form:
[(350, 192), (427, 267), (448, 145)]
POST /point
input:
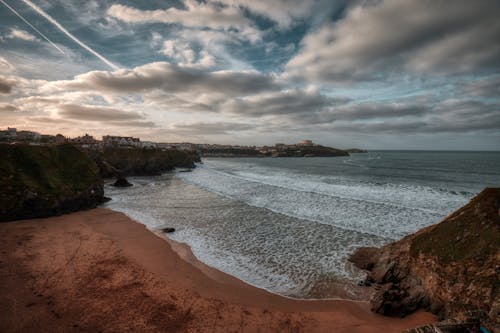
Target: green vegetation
[(473, 232), (46, 180)]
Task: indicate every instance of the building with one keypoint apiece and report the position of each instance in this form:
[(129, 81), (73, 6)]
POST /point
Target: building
[(148, 145), (121, 141), (27, 136), (12, 132), (306, 143), (86, 141), (8, 134), (164, 145)]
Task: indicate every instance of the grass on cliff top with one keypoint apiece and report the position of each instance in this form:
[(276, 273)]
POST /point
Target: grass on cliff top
[(472, 232), (45, 170)]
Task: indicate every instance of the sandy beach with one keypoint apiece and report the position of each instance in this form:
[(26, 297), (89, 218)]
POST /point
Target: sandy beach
[(99, 271)]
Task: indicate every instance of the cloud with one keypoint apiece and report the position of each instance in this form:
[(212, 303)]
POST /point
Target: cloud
[(392, 35), (185, 56), (278, 103), (211, 15), (68, 34), (214, 128), (10, 114), (169, 79), (486, 87), (31, 26), (448, 116), (7, 108), (5, 66), (283, 12), (6, 85), (362, 112), (97, 113), (21, 34)]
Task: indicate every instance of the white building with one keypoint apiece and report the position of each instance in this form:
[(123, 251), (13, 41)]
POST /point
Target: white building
[(121, 141), (148, 144)]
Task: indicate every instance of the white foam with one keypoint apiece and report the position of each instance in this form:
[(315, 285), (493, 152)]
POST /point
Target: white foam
[(384, 210), (323, 216)]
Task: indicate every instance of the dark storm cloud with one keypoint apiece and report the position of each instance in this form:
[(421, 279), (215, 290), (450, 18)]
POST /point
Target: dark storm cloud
[(97, 113), (421, 36), (171, 79)]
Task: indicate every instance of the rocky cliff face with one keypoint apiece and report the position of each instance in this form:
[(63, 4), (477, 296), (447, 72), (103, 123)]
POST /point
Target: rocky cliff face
[(39, 181), (451, 268), (142, 162)]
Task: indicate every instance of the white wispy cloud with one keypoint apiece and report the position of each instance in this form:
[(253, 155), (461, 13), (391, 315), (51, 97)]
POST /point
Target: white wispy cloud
[(195, 15), (21, 34)]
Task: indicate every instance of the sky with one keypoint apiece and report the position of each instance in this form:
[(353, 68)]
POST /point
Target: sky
[(375, 74)]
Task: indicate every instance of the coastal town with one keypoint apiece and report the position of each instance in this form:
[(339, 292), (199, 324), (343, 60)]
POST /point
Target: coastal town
[(305, 148)]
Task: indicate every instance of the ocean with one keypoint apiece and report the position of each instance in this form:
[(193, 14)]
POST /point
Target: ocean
[(288, 225)]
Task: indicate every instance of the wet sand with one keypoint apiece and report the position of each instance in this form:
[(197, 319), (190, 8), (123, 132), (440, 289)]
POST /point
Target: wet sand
[(99, 271)]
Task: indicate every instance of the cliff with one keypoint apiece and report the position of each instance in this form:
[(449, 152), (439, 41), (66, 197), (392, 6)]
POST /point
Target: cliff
[(39, 181), (311, 151), (451, 268), (356, 151), (142, 162)]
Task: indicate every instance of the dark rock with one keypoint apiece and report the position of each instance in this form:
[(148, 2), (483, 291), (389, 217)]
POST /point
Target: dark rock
[(364, 257), (114, 162), (469, 325), (122, 182), (168, 230)]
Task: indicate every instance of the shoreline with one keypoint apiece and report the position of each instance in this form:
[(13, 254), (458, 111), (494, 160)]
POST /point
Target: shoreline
[(89, 270), (184, 251), (336, 290)]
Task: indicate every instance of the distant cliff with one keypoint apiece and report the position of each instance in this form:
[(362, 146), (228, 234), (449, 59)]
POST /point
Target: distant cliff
[(451, 268), (142, 162), (310, 151), (39, 181), (274, 151), (356, 151)]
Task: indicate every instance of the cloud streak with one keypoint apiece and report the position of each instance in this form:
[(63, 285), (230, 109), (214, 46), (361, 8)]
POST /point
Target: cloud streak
[(32, 26), (69, 34)]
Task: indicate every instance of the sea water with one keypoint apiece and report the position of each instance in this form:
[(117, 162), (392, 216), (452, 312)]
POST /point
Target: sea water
[(289, 224)]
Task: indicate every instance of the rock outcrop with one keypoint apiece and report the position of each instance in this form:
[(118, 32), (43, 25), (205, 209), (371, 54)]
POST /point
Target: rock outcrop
[(120, 162), (40, 181), (451, 268), (122, 182), (356, 151)]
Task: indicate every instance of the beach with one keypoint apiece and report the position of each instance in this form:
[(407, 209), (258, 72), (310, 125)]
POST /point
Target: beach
[(100, 271)]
